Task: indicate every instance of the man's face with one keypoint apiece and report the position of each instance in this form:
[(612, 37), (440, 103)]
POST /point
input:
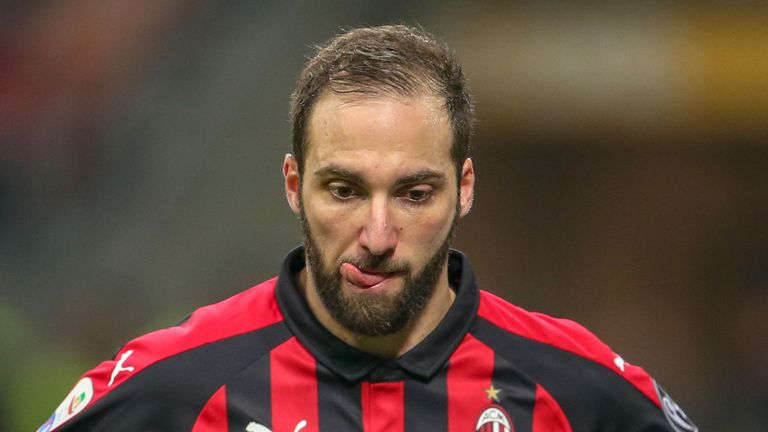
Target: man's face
[(379, 201)]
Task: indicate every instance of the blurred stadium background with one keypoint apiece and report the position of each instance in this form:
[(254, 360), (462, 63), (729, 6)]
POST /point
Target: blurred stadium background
[(622, 161)]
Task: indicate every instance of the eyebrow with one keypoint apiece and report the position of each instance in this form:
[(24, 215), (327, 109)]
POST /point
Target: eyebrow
[(337, 171), (421, 176)]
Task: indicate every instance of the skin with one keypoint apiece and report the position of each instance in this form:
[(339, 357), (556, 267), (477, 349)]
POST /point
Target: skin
[(379, 182)]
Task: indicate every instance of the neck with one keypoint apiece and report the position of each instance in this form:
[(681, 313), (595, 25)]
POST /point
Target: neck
[(389, 346)]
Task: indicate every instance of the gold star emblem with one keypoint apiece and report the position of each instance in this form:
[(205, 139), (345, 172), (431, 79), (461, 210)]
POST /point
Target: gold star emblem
[(492, 393)]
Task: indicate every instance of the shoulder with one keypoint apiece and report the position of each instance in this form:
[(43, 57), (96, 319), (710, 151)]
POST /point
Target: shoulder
[(563, 334), (167, 365), (248, 311), (582, 373)]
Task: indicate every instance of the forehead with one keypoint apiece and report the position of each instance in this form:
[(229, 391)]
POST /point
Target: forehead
[(407, 131)]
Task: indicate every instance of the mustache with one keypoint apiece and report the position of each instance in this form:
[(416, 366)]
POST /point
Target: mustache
[(375, 263)]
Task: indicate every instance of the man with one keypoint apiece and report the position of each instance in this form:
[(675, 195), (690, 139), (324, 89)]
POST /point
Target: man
[(375, 324)]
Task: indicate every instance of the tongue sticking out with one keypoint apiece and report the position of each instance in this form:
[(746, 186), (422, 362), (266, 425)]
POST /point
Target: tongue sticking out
[(361, 278)]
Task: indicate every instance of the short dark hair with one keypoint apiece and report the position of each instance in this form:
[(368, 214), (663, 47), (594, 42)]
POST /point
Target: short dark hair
[(388, 60)]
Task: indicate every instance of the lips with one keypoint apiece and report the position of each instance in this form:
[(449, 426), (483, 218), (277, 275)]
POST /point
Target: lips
[(362, 278)]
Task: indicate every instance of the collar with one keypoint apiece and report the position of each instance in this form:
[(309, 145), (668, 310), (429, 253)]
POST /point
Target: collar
[(424, 360)]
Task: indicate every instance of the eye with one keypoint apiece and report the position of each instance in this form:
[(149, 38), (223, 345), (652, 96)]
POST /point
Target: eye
[(341, 191), (417, 195)]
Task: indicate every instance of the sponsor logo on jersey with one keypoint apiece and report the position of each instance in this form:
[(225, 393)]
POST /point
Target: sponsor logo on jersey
[(674, 414), (620, 363), (494, 419), (258, 427), (120, 367)]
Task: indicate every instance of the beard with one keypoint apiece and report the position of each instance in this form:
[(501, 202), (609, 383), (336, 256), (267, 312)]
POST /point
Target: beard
[(381, 313)]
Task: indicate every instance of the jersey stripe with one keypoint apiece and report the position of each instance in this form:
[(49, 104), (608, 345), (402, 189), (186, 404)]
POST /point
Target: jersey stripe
[(339, 402), (426, 404), (470, 370), (515, 392), (213, 417), (294, 388), (547, 414), (383, 406), (249, 397)]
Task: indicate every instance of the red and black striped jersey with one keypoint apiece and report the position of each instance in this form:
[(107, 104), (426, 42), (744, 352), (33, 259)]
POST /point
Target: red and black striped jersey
[(260, 361)]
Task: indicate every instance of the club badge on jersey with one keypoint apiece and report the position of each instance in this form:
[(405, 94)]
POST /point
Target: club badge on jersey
[(257, 427), (494, 419)]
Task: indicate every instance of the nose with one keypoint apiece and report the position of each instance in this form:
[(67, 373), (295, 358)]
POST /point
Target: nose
[(379, 234)]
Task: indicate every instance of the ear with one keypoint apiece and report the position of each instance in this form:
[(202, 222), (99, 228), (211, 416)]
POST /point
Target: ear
[(466, 187), (292, 184)]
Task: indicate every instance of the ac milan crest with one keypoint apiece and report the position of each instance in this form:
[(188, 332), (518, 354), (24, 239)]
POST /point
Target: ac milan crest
[(494, 419)]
